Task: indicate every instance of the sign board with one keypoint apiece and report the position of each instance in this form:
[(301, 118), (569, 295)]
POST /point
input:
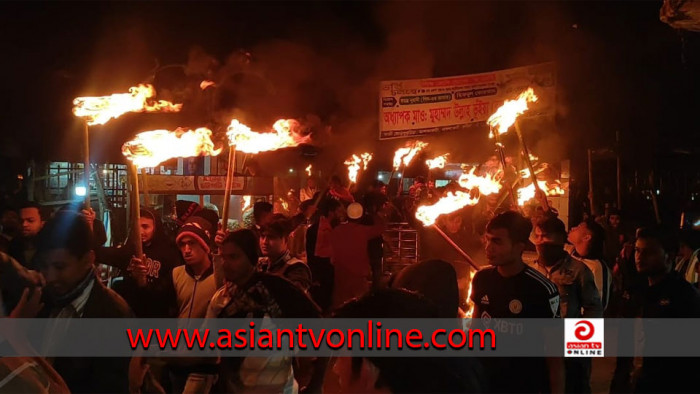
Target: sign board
[(416, 107), (196, 184)]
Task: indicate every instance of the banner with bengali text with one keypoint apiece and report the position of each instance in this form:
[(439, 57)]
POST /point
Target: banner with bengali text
[(417, 107)]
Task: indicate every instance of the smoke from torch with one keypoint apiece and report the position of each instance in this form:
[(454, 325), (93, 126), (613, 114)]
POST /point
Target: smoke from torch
[(285, 135), (150, 148), (100, 110)]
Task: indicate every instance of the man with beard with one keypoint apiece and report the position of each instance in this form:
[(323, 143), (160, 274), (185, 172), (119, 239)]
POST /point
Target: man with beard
[(150, 278), (668, 296), (32, 220)]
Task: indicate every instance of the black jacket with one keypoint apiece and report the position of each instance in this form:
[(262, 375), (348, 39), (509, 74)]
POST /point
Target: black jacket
[(96, 374), (157, 299)]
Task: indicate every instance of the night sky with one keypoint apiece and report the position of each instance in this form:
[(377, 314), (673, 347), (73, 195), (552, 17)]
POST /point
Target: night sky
[(619, 67)]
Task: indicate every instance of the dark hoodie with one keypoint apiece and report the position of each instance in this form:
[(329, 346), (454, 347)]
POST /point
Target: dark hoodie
[(157, 298)]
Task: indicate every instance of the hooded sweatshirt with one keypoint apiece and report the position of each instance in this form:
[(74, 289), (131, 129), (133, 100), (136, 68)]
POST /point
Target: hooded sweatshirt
[(157, 298)]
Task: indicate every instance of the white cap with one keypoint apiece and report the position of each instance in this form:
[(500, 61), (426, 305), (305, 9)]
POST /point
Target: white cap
[(355, 210)]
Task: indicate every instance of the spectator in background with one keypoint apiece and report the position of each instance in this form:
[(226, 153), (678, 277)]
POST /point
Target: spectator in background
[(319, 251), (300, 223), (308, 192), (350, 257), (338, 191), (262, 216), (668, 296), (615, 235), (687, 260), (277, 259), (588, 240), (32, 220), (9, 226)]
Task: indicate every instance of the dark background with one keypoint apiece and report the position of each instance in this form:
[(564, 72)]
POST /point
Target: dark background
[(620, 69)]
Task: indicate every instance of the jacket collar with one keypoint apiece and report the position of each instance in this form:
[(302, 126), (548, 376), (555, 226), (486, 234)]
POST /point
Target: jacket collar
[(209, 271)]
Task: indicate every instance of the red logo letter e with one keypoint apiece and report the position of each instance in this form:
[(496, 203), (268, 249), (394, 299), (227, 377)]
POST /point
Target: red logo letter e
[(585, 331)]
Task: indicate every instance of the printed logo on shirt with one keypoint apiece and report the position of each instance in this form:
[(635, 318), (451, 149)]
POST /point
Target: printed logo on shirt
[(554, 304), (486, 319), (485, 300), (153, 268), (515, 306), (584, 337)]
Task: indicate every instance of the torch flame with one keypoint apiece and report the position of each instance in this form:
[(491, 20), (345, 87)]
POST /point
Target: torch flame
[(205, 84), (353, 164), (470, 303), (505, 116), (150, 148), (100, 110), (451, 202), (487, 184), (366, 158), (308, 170), (438, 162), (405, 155), (527, 193), (249, 141), (246, 203)]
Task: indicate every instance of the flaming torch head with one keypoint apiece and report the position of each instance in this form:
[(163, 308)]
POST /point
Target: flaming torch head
[(487, 184), (308, 170), (100, 110), (246, 203), (451, 202), (527, 193), (505, 116), (438, 162), (405, 155), (353, 165), (151, 148), (249, 141), (366, 158)]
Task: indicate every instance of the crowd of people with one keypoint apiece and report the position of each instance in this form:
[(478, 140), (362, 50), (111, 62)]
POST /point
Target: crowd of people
[(326, 261)]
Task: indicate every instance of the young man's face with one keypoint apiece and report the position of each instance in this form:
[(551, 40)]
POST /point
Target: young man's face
[(147, 229), (236, 263), (272, 245), (649, 257), (500, 250), (31, 221), (63, 271), (614, 221), (580, 236), (192, 251)]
